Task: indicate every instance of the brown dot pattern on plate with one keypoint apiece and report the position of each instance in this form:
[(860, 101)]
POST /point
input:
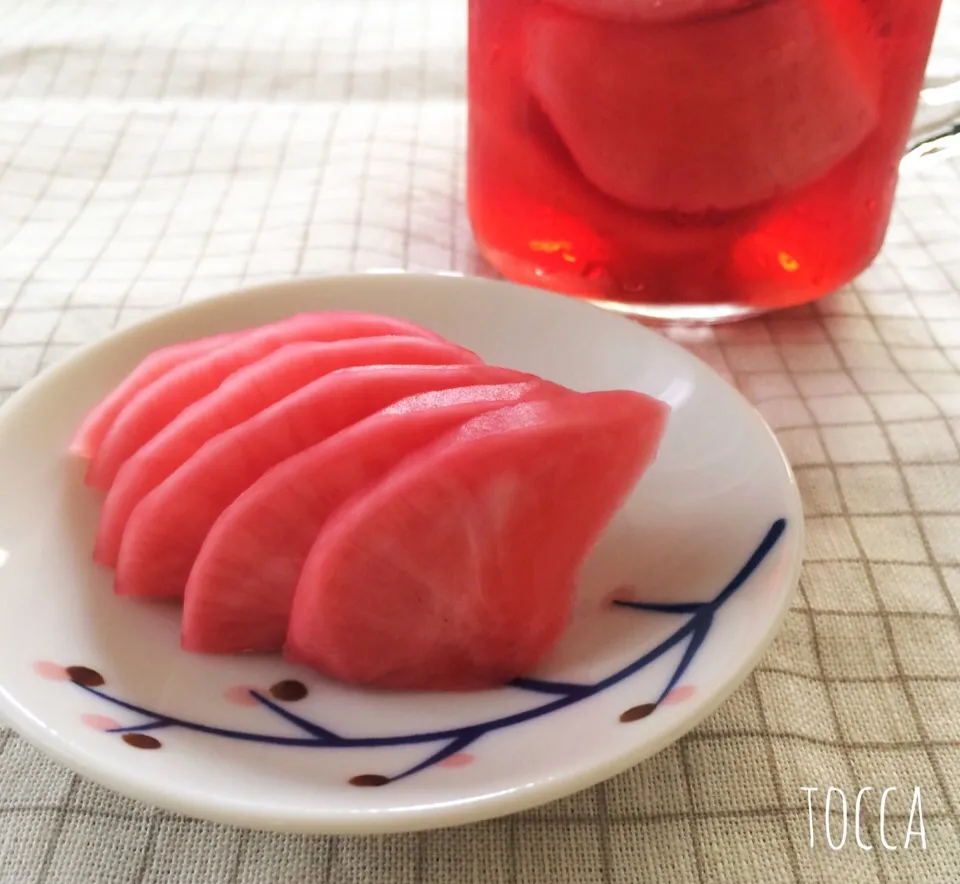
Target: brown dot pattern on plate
[(370, 779), (85, 676), (635, 713), (288, 691), (141, 741)]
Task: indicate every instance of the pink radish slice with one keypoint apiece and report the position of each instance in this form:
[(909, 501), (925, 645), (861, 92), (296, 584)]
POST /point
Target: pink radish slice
[(716, 114), (654, 11), (457, 570), (100, 418), (167, 528), (154, 407), (240, 590), (242, 395)]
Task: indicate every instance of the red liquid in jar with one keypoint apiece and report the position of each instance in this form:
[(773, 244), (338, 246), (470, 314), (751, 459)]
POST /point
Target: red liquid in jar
[(690, 158)]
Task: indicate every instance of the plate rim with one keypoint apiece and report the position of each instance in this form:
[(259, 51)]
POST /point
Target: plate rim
[(330, 820)]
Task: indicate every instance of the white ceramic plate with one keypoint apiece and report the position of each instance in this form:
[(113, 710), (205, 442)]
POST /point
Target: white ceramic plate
[(710, 543)]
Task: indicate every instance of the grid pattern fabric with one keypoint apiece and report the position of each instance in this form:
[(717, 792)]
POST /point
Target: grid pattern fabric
[(160, 151)]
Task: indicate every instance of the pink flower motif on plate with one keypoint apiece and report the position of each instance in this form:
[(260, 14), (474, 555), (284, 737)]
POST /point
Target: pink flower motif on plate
[(680, 694), (240, 694), (461, 759), (99, 722), (51, 671)]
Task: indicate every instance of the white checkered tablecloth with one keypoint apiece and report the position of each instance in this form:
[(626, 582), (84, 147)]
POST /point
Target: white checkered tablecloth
[(158, 151)]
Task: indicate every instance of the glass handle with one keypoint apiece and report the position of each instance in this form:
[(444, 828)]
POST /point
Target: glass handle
[(936, 125), (938, 110), (939, 107)]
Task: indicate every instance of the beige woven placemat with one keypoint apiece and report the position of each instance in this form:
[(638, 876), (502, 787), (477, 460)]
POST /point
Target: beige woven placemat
[(158, 151)]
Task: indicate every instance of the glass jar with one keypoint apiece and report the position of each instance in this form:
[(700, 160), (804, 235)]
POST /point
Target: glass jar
[(689, 159)]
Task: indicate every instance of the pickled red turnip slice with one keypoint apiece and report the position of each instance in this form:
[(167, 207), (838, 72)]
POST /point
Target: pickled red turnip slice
[(168, 527), (240, 591), (653, 11), (153, 407), (457, 571), (100, 418), (242, 395), (715, 114)]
